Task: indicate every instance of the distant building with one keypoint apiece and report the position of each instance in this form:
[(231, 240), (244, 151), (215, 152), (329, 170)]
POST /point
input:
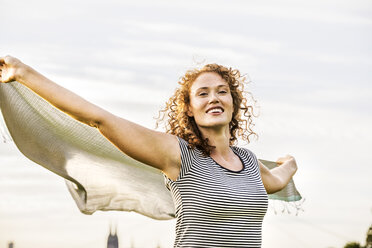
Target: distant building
[(112, 239), (369, 238)]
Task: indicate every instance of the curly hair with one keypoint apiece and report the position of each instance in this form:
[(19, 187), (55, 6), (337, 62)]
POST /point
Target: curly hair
[(178, 123)]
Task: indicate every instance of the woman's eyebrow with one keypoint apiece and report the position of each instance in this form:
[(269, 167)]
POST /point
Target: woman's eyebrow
[(203, 88), (206, 87)]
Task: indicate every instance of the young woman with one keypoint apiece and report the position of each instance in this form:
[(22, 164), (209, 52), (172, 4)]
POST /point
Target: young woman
[(219, 190)]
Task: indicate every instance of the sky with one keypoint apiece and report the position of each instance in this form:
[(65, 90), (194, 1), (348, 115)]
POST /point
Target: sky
[(309, 65)]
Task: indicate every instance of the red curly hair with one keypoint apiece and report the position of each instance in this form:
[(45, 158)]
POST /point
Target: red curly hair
[(178, 123)]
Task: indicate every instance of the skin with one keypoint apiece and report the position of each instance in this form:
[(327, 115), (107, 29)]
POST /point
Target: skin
[(154, 148)]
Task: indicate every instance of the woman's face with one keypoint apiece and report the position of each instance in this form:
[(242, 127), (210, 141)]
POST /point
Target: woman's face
[(211, 103)]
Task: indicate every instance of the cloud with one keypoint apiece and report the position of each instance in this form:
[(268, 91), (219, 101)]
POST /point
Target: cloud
[(310, 67)]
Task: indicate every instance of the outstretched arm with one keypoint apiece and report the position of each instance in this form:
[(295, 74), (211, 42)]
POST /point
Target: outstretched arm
[(156, 149), (276, 179)]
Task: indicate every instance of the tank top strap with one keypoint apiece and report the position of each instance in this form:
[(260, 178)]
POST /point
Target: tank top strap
[(188, 156), (249, 158)]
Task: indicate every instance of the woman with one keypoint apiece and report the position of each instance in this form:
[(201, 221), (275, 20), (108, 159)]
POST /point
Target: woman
[(219, 190)]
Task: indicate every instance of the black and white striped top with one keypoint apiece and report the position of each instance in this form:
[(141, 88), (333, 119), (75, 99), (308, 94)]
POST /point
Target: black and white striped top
[(217, 207)]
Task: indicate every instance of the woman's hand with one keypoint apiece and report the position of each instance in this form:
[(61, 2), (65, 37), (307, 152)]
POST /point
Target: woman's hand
[(276, 179), (9, 69), (288, 159)]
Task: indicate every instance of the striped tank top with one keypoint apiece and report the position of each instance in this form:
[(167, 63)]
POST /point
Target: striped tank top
[(217, 207)]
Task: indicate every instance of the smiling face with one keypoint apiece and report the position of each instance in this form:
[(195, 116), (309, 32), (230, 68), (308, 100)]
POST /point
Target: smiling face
[(211, 103), (186, 113)]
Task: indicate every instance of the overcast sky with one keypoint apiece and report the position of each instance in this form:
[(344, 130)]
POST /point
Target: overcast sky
[(309, 63)]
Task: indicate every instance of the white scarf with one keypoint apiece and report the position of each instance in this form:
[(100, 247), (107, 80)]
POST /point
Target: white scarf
[(97, 174)]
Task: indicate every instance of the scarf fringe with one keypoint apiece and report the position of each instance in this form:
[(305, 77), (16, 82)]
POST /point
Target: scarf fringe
[(294, 207)]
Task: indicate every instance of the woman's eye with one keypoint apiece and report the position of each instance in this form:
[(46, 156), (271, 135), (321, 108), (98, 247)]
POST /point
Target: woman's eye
[(203, 94), (223, 92)]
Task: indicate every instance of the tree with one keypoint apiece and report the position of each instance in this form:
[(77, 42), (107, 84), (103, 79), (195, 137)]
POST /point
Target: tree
[(352, 245)]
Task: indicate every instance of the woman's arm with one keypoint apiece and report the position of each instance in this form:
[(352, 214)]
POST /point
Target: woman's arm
[(277, 178), (157, 149)]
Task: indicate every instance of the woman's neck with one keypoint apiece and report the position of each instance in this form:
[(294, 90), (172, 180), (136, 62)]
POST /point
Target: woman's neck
[(219, 138)]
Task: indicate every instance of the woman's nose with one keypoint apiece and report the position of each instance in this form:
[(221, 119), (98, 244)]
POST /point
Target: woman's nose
[(213, 98)]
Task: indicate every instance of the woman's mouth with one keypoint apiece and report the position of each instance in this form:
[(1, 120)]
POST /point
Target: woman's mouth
[(215, 110)]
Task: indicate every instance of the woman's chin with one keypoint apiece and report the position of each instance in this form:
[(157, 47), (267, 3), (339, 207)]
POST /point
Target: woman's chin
[(215, 124)]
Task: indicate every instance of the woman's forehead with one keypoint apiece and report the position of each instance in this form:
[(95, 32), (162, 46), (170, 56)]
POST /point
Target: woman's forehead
[(208, 80)]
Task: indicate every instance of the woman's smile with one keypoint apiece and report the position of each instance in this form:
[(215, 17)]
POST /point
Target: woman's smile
[(215, 110)]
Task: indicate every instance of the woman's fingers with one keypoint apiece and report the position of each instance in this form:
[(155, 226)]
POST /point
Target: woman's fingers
[(1, 69), (2, 64), (8, 66), (282, 160), (5, 60)]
